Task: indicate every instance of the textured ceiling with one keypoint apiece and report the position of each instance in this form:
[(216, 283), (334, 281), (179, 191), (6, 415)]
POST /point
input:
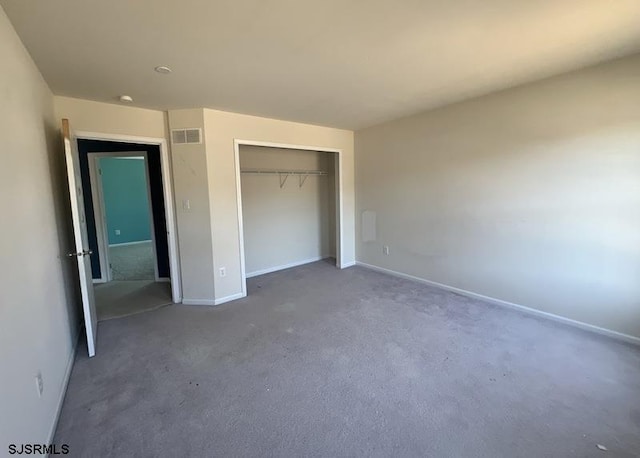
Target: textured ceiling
[(341, 63)]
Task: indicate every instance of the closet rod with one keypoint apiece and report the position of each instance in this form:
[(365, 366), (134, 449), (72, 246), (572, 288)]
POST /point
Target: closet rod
[(284, 174)]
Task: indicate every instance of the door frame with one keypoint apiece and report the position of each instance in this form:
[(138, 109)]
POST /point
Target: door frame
[(100, 211), (169, 203), (237, 143)]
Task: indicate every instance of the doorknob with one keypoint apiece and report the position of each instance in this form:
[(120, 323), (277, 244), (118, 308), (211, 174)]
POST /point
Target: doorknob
[(83, 253)]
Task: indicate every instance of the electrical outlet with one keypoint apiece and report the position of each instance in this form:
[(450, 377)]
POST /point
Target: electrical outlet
[(223, 271), (39, 384), (117, 231), (385, 250)]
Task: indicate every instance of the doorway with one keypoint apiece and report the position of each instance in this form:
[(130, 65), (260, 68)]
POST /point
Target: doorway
[(128, 222), (121, 193)]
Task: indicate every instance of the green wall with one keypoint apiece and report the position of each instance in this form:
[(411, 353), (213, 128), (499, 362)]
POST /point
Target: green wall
[(126, 200)]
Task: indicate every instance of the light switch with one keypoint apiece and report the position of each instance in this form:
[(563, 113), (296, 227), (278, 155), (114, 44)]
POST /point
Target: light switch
[(186, 204)]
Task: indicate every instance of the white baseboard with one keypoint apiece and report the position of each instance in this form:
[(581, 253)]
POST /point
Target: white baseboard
[(578, 324), (233, 297), (163, 280), (198, 302), (218, 301), (348, 264), (65, 383), (130, 243), (285, 266)]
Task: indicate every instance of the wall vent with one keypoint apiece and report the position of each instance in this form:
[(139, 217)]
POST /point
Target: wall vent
[(184, 136)]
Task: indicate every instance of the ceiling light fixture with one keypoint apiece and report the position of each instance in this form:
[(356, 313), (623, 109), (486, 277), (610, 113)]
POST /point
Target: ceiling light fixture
[(126, 99), (162, 69)]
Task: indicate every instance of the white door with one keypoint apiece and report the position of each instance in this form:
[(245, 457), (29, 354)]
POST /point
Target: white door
[(81, 241)]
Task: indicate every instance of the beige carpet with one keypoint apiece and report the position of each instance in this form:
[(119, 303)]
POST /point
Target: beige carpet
[(122, 298), (132, 262), (322, 362)]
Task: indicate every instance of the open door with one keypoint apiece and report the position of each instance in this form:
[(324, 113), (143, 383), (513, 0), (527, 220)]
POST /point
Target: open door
[(81, 241)]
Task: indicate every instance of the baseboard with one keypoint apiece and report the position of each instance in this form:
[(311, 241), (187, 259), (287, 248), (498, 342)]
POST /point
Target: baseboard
[(130, 243), (531, 311), (233, 297), (65, 384), (163, 280), (198, 302), (348, 264), (285, 266)]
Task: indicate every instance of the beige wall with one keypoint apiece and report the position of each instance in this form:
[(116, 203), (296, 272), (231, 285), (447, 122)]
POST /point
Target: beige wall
[(221, 128), (291, 224), (208, 232), (38, 311), (530, 196), (112, 119), (191, 184), (107, 118)]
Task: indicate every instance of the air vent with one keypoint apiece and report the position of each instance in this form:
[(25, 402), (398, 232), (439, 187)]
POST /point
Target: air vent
[(183, 136), (193, 135)]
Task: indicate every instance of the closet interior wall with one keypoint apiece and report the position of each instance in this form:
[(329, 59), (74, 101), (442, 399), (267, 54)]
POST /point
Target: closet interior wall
[(289, 218)]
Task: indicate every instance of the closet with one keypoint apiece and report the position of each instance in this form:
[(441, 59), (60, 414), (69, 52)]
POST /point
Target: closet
[(288, 207)]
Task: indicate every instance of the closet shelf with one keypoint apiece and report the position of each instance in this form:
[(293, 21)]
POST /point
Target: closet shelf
[(284, 174)]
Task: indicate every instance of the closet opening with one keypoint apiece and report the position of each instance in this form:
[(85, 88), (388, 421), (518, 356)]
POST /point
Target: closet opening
[(289, 206)]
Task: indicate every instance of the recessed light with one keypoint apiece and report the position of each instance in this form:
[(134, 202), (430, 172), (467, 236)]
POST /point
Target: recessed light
[(162, 69), (126, 99)]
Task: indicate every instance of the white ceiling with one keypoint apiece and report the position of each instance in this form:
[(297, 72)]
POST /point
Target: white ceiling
[(341, 63)]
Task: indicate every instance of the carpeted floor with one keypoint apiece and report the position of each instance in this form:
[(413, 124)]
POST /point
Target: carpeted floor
[(132, 262), (122, 298), (322, 362)]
